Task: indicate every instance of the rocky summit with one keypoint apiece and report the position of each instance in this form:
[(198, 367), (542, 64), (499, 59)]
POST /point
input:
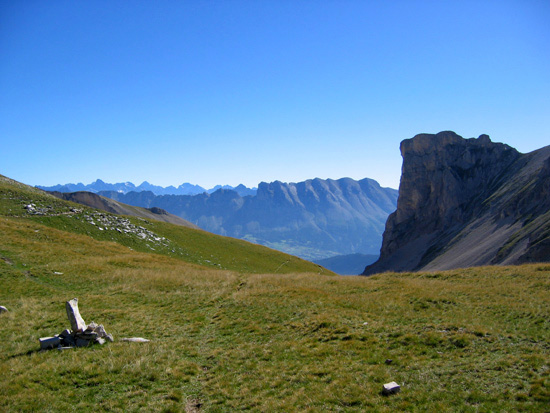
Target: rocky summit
[(467, 202)]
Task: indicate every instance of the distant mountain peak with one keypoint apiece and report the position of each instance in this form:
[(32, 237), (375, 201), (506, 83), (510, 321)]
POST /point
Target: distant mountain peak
[(125, 187)]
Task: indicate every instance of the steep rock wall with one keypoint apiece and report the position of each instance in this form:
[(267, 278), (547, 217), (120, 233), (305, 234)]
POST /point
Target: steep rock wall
[(465, 202)]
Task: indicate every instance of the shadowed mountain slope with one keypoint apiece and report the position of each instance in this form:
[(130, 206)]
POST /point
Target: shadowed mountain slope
[(314, 219), (467, 202)]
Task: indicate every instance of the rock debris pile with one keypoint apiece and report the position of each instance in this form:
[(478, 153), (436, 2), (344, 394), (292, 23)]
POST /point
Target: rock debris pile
[(80, 335), (32, 209), (106, 222), (102, 221)]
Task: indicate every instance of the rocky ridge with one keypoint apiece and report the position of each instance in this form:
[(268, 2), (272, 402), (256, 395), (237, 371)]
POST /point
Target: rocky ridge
[(467, 202)]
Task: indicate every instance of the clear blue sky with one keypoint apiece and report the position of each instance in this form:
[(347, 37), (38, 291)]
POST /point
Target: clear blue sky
[(229, 92)]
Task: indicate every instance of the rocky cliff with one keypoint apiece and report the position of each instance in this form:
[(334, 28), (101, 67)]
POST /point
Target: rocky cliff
[(313, 219), (467, 202)]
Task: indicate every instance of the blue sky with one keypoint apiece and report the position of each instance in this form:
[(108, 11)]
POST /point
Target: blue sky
[(229, 92)]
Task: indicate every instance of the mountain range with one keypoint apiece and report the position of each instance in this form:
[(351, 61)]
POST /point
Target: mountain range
[(125, 187), (467, 202), (314, 219)]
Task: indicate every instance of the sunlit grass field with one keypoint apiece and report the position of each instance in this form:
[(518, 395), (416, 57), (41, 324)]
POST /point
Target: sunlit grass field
[(228, 340)]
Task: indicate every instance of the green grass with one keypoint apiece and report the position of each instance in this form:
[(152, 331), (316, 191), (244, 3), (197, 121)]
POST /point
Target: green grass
[(473, 340)]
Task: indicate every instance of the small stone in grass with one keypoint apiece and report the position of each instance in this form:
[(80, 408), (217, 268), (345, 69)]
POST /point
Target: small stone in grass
[(391, 388), (135, 339)]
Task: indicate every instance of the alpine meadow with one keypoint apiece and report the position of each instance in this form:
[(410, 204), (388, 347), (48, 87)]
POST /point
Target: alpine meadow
[(235, 326)]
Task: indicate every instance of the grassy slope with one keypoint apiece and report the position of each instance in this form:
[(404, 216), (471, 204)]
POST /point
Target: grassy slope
[(473, 340), (190, 245)]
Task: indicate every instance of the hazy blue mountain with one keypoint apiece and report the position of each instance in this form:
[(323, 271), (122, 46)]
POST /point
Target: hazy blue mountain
[(314, 219), (125, 187), (94, 187), (240, 189), (187, 189), (352, 264), (64, 188), (211, 190), (183, 189)]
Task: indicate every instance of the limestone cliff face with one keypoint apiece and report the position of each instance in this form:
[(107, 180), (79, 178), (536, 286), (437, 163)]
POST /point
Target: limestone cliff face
[(465, 202)]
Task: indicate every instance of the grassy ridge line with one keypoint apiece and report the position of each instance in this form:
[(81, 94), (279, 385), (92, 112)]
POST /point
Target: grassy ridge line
[(472, 340), (190, 245)]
